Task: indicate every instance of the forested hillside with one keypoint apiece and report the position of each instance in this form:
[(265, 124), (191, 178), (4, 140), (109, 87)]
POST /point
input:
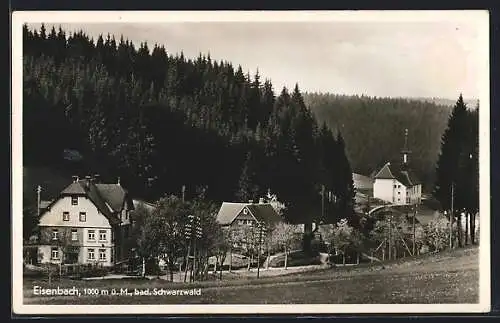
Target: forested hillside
[(160, 121), (373, 129)]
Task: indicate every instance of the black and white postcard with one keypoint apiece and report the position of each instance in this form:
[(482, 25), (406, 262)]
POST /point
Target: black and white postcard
[(250, 162)]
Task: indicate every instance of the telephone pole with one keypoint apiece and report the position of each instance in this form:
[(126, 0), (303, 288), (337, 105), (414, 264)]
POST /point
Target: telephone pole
[(390, 238), (188, 234), (452, 214), (323, 202), (38, 191), (261, 228), (414, 232)]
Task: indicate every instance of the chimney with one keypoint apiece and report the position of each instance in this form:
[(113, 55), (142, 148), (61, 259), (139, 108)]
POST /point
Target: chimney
[(88, 179), (97, 178), (250, 201), (75, 178), (261, 200), (118, 181)]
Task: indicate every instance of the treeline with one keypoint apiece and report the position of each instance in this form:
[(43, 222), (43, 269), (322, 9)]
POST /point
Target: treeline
[(457, 172), (162, 121), (373, 129)]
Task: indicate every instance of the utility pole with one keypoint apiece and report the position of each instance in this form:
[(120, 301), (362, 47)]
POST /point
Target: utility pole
[(197, 236), (452, 214), (322, 202), (38, 191), (259, 250), (390, 238), (414, 232), (187, 234)]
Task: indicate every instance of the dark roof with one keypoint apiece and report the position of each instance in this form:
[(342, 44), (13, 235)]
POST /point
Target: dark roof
[(114, 195), (400, 173), (262, 212), (74, 188), (108, 198), (385, 172)]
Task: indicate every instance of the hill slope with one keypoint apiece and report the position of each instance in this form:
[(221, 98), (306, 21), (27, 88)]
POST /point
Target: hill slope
[(373, 129)]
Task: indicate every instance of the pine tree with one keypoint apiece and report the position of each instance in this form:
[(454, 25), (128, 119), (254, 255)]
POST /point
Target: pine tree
[(345, 190), (452, 147)]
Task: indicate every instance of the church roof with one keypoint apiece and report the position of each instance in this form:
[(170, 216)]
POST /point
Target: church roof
[(401, 173)]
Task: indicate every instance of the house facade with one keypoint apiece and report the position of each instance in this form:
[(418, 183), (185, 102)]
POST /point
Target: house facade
[(89, 222), (244, 219), (397, 186)]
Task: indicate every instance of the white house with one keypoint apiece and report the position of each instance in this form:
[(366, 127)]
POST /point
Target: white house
[(87, 223), (397, 184)]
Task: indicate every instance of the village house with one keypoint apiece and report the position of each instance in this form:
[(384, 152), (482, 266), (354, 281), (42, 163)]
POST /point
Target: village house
[(396, 184), (241, 216), (89, 222)]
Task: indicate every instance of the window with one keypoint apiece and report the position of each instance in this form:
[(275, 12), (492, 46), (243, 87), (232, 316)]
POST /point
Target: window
[(126, 214), (249, 222), (83, 216), (102, 235), (54, 253), (74, 200), (65, 216), (399, 186), (245, 211), (102, 254), (241, 222), (90, 254), (91, 234), (395, 186), (55, 234), (74, 234), (399, 192)]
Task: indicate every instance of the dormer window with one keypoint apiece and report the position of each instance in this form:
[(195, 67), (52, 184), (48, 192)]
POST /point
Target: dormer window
[(65, 216), (74, 200)]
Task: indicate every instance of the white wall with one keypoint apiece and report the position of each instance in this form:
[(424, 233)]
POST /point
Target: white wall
[(384, 189), (45, 253), (54, 216)]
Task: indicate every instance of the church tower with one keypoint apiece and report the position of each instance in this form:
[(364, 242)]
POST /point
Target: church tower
[(405, 151)]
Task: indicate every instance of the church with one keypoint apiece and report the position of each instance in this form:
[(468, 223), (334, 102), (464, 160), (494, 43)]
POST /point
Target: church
[(396, 184)]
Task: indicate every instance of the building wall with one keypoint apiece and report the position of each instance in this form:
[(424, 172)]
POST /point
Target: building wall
[(94, 218), (384, 189), (94, 222)]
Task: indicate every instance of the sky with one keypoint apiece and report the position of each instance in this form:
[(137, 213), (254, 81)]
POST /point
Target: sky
[(384, 59)]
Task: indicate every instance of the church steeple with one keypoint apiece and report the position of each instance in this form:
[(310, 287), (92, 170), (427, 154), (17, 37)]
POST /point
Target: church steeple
[(405, 150)]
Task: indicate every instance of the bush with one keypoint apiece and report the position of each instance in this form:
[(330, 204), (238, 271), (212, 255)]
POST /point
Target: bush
[(93, 271)]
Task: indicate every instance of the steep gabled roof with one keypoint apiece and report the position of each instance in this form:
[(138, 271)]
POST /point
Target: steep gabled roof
[(385, 172), (75, 188), (113, 194), (402, 174), (228, 212), (407, 178), (108, 198), (263, 212)]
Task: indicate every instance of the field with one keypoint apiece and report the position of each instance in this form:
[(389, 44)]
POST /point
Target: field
[(449, 277)]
